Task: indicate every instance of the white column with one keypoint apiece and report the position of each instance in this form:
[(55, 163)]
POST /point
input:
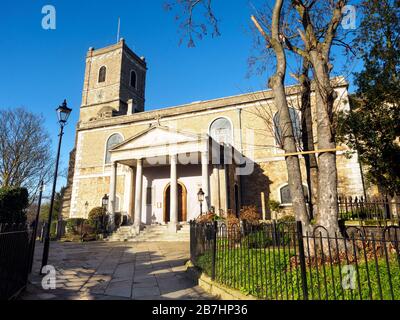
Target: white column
[(138, 195), (113, 193), (205, 179), (174, 194), (130, 195), (216, 188)]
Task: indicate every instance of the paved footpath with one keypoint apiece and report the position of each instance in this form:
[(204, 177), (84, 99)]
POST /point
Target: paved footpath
[(104, 271)]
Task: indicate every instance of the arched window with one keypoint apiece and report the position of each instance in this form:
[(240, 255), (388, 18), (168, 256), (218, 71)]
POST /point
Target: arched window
[(221, 131), (102, 74), (294, 117), (111, 143), (133, 79), (286, 198)]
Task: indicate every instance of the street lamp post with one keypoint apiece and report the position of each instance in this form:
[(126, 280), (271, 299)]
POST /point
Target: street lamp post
[(104, 203), (200, 197), (63, 113)]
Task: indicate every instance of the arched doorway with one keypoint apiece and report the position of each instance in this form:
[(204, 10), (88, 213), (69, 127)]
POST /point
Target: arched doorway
[(182, 203)]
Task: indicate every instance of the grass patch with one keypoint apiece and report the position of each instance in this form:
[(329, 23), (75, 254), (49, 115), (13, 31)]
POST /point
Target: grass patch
[(271, 273)]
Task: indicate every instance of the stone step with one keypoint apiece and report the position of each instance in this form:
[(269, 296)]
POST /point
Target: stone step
[(154, 233)]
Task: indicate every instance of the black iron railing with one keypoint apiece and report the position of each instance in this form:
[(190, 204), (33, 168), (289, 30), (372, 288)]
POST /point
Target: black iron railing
[(16, 248), (283, 262), (380, 209)]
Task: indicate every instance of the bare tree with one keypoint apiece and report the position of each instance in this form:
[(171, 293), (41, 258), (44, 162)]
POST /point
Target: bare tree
[(307, 29), (276, 83), (189, 26), (24, 149), (318, 35), (307, 134)]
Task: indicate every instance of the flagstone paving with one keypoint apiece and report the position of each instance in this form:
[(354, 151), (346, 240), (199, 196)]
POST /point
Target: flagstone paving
[(113, 271)]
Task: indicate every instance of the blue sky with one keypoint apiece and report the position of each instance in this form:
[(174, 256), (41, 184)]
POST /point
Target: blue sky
[(41, 67)]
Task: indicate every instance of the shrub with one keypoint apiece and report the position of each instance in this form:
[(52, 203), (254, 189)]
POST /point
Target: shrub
[(117, 219), (206, 218), (87, 230), (287, 219), (96, 214), (250, 215), (13, 203), (97, 219), (53, 230), (74, 225), (274, 205), (257, 240), (233, 224)]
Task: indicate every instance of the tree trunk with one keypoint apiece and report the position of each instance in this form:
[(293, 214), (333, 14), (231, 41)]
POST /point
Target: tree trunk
[(308, 140), (327, 174), (276, 83)]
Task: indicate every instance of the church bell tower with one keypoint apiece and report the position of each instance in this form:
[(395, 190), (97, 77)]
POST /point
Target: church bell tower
[(114, 85)]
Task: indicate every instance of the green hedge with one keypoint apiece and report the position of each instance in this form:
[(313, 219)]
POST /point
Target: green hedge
[(13, 202), (97, 219), (74, 225)]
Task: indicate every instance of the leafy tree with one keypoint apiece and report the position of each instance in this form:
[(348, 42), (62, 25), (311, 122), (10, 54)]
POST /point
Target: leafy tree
[(13, 204), (44, 211), (372, 126)]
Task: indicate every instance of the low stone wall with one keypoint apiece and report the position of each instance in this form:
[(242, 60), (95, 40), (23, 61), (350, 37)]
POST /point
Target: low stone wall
[(216, 289)]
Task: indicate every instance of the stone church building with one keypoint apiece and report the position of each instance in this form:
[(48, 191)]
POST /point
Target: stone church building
[(152, 164)]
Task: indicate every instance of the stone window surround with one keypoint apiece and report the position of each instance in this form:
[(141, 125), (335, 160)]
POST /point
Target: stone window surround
[(105, 76), (231, 123), (136, 79), (280, 195), (108, 164)]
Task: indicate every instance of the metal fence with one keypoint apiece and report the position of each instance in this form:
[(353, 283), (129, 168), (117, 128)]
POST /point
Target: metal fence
[(16, 256), (379, 208), (281, 262)]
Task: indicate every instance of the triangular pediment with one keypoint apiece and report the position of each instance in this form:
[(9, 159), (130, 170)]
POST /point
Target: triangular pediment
[(157, 136)]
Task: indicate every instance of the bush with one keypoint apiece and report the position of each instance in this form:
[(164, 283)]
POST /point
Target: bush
[(287, 219), (233, 227), (257, 240), (96, 213), (80, 230), (97, 219), (117, 219), (274, 205), (209, 217), (74, 225), (250, 215), (53, 230), (13, 203)]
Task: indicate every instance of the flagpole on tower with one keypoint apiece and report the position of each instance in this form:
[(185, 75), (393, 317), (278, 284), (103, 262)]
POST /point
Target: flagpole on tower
[(119, 29)]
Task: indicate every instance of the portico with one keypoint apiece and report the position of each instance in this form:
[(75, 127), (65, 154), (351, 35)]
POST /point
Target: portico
[(161, 159)]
